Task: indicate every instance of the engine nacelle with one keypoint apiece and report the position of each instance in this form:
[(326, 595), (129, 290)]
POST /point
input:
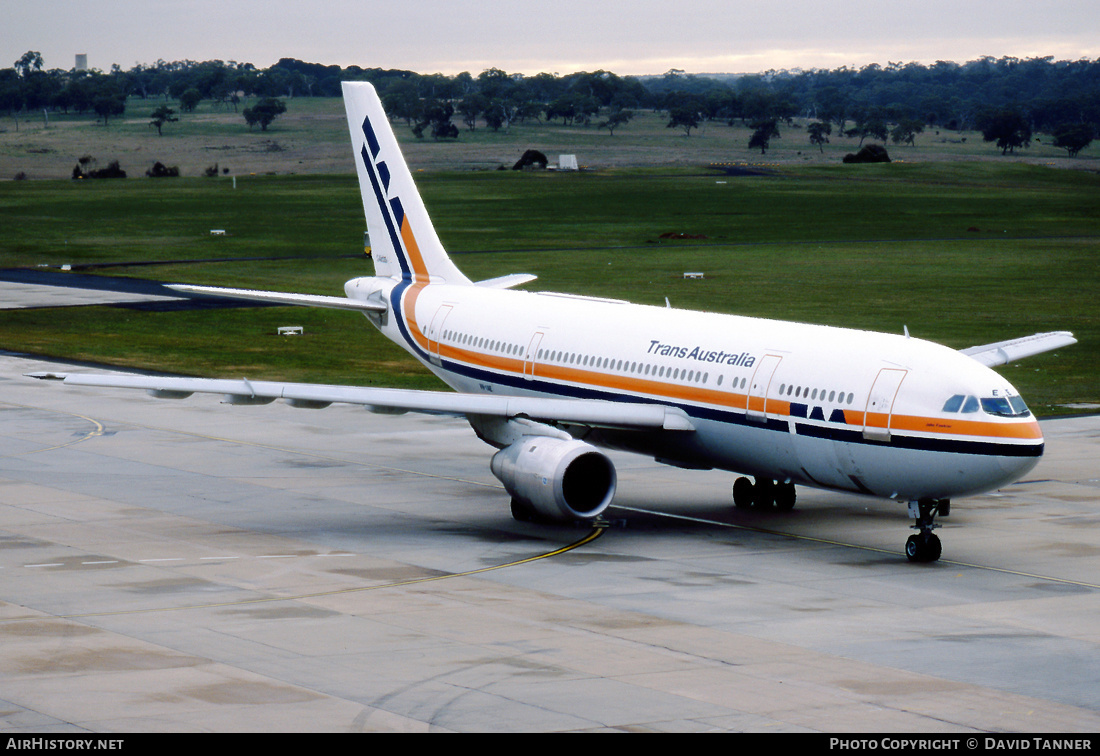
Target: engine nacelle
[(559, 479)]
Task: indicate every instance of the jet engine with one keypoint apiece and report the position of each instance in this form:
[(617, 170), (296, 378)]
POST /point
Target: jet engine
[(555, 479)]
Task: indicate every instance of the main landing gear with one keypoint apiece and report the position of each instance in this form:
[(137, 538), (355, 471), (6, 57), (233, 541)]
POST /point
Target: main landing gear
[(764, 493), (925, 545)]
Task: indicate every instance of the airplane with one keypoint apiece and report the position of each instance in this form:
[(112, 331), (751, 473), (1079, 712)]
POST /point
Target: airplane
[(550, 380)]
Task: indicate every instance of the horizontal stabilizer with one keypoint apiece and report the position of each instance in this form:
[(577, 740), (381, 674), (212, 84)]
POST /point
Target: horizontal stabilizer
[(279, 297), (602, 414), (507, 282), (1004, 352)]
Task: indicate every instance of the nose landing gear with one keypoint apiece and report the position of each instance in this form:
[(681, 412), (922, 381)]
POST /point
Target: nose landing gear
[(925, 545)]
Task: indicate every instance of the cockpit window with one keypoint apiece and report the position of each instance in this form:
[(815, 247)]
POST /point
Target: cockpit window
[(962, 403), (1012, 406)]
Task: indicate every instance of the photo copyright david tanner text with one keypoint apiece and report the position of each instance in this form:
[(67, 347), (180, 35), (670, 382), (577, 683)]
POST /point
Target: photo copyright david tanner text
[(984, 743)]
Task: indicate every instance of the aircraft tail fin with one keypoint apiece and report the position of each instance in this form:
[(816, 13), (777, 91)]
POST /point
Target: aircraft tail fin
[(403, 241)]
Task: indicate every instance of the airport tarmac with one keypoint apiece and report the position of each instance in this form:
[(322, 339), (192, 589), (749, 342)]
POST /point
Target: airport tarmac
[(23, 288), (193, 566)]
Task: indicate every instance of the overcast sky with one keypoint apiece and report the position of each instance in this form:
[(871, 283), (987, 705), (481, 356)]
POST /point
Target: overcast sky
[(558, 36)]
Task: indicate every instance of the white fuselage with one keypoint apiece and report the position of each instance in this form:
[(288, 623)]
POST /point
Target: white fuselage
[(820, 406)]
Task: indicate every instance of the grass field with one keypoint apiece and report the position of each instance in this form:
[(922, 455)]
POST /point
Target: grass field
[(311, 137), (960, 252)]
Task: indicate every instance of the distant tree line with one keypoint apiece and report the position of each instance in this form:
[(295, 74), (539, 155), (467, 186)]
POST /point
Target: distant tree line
[(1008, 99)]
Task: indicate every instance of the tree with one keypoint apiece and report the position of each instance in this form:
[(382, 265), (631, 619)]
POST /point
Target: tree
[(11, 96), (189, 99), (472, 106), (762, 135), (819, 134), (1073, 138), (1008, 128), (30, 61), (402, 100), (161, 116), (264, 112), (563, 108), (615, 119), (500, 113), (869, 124), (109, 104), (437, 114), (684, 118), (906, 131)]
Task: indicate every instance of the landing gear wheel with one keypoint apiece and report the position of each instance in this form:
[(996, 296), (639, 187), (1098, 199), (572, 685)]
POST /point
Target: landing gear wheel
[(742, 493), (785, 496), (924, 547), (763, 493)]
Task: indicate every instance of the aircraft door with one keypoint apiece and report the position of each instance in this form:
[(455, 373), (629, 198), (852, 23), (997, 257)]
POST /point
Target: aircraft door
[(531, 355), (435, 331), (880, 404), (758, 387)]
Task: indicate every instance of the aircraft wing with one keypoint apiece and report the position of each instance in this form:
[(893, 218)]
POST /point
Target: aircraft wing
[(279, 297), (595, 413), (1004, 352)]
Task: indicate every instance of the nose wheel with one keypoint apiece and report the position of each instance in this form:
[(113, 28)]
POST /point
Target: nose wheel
[(925, 546)]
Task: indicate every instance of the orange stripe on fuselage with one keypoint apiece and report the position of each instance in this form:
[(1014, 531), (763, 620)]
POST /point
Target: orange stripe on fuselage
[(1020, 430), (408, 304), (661, 390), (420, 279)]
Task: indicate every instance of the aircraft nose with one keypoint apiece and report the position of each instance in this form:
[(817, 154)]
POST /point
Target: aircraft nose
[(1018, 466)]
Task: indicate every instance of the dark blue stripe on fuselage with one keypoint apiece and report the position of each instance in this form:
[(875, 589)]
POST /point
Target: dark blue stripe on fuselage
[(846, 435)]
